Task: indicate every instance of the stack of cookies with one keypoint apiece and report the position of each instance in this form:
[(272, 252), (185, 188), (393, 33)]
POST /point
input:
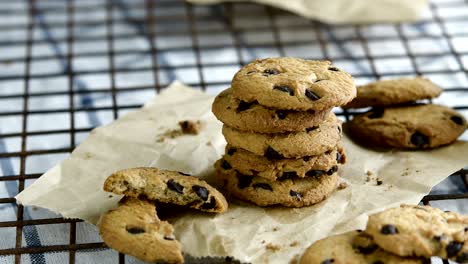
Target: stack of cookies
[(283, 140)]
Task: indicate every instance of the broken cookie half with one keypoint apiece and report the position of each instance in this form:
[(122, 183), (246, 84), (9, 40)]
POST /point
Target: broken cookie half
[(167, 187), (134, 228)]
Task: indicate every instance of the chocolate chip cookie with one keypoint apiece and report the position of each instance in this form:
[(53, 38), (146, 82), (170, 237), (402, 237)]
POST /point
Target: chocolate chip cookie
[(353, 247), (134, 228), (311, 141), (291, 192), (411, 230), (254, 117), (393, 92), (167, 187), (295, 84), (250, 164), (413, 127)]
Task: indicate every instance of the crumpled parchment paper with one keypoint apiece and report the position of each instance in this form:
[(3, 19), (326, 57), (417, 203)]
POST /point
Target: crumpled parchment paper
[(345, 11), (73, 188)]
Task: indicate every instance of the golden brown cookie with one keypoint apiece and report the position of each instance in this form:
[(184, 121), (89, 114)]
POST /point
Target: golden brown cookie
[(291, 192), (292, 83), (353, 247), (413, 127), (167, 187), (310, 142), (411, 230), (134, 228), (254, 117), (394, 92), (250, 164)]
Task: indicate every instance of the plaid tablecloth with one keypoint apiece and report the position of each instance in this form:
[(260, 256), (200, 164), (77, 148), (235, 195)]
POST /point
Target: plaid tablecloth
[(436, 48)]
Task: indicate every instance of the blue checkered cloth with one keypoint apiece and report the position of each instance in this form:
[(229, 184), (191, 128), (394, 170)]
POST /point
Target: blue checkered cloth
[(437, 50)]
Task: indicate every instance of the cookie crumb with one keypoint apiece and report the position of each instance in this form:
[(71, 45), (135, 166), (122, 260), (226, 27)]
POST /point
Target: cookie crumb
[(275, 228), (273, 247), (263, 242), (373, 179), (190, 127), (209, 143), (294, 244), (110, 196), (87, 155), (342, 185), (187, 127), (170, 134)]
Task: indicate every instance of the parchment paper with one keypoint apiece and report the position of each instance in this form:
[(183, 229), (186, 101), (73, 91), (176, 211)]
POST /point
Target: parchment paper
[(345, 11), (73, 188)]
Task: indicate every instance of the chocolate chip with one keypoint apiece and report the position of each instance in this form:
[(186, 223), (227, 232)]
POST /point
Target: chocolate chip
[(272, 154), (312, 96), (184, 125), (183, 174), (378, 262), (418, 139), (172, 185), (359, 230), (210, 205), (379, 182), (389, 230), (311, 129), (201, 191), (457, 120), (462, 258), (281, 114), (288, 175), (332, 68), (231, 151), (243, 105), (225, 165), (453, 248), (315, 173), (332, 170), (244, 181), (339, 158), (466, 229), (376, 113), (264, 186), (284, 88), (367, 250), (135, 230), (339, 129), (438, 238), (296, 195), (307, 158), (328, 261), (271, 72), (168, 238)]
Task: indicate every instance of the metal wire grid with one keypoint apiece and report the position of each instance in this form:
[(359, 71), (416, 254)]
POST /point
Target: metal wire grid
[(194, 26)]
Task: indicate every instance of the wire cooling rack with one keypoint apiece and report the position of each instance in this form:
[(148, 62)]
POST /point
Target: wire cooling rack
[(69, 66)]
